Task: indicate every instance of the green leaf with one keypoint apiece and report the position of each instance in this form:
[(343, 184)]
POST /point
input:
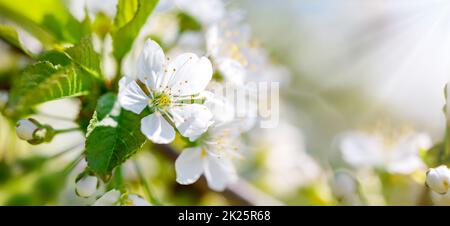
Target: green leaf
[(126, 32), (432, 157), (9, 35), (84, 55), (43, 82), (55, 57), (105, 105), (188, 23), (108, 146), (125, 12), (48, 187), (48, 20)]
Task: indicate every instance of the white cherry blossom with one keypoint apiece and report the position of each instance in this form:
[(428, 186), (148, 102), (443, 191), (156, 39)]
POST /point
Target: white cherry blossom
[(204, 11), (239, 58), (213, 158), (169, 88), (399, 156), (288, 166)]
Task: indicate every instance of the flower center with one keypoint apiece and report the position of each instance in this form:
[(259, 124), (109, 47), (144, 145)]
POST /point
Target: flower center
[(161, 100), (203, 153), (236, 54)]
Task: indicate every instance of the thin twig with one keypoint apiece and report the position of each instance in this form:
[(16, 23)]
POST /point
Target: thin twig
[(59, 131)]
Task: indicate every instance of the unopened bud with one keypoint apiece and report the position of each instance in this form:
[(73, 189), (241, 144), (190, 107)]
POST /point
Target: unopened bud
[(86, 186), (34, 132), (344, 185), (438, 179), (25, 129)]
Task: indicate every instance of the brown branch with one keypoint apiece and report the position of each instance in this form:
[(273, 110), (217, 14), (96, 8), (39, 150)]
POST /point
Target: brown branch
[(240, 193)]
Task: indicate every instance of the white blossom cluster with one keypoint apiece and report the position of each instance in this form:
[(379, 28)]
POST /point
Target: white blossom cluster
[(179, 89)]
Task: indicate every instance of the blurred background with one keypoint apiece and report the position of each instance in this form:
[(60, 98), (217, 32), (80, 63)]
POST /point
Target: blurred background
[(356, 63), (377, 67)]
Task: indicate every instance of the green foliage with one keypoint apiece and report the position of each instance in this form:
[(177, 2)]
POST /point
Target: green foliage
[(108, 146), (45, 190), (432, 156), (126, 10), (55, 57), (105, 105), (9, 34), (48, 187), (57, 74), (43, 82), (188, 23), (117, 181), (128, 26), (439, 154), (84, 55), (47, 20), (21, 200)]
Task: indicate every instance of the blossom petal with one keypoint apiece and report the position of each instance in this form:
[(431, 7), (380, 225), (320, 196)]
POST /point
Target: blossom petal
[(205, 11), (188, 166), (221, 108), (232, 70), (157, 129), (359, 149), (150, 63), (123, 82), (219, 172), (213, 40), (406, 166), (189, 74), (110, 198), (192, 120), (405, 157), (132, 98), (137, 200)]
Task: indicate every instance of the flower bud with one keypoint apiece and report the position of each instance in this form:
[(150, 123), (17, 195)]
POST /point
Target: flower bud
[(136, 200), (344, 185), (345, 189), (25, 129), (110, 198), (34, 132), (440, 200), (438, 179), (86, 186)]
